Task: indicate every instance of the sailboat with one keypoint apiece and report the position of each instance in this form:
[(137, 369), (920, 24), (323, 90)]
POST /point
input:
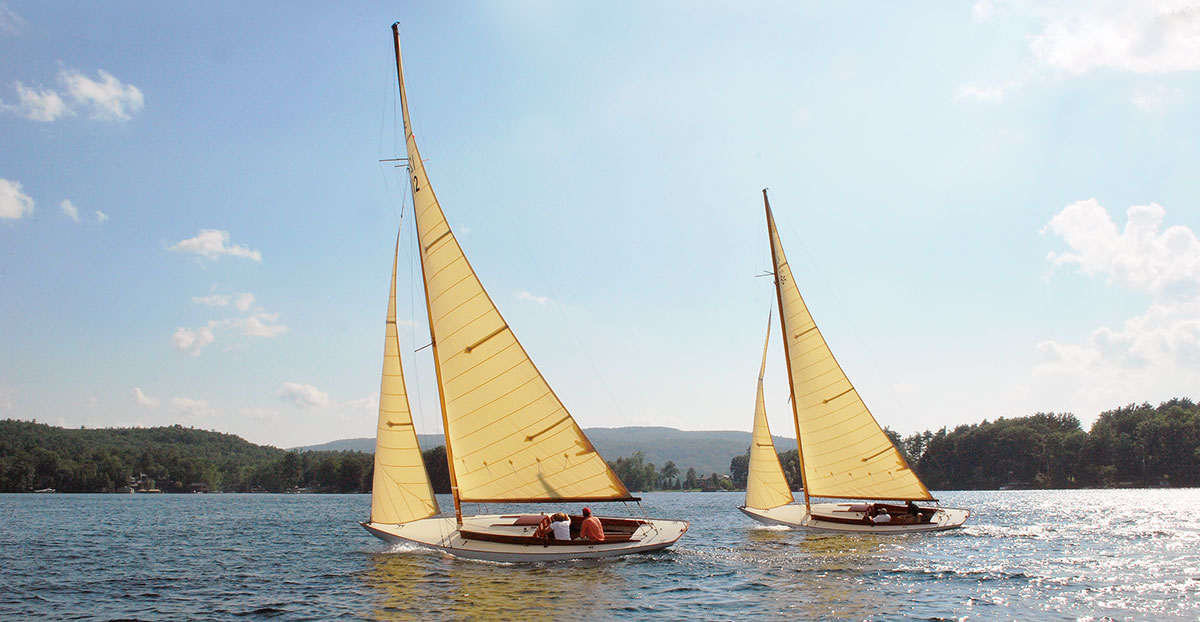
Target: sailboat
[(843, 452), (509, 439)]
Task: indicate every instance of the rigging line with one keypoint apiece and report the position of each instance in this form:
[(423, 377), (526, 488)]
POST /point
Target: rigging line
[(557, 302), (866, 349)]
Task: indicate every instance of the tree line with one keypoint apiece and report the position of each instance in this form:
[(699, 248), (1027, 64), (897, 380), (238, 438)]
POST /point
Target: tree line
[(1137, 445)]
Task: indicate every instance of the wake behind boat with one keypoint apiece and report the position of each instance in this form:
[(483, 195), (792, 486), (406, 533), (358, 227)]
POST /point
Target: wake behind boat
[(508, 437), (843, 452)]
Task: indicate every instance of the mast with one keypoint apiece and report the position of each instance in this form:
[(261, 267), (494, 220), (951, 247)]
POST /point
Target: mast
[(408, 137), (787, 351)]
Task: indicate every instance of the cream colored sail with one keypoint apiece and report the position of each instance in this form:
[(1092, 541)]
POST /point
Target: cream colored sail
[(766, 485), (508, 437), (843, 450), (401, 491)]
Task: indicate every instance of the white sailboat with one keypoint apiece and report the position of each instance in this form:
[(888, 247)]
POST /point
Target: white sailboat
[(508, 437), (844, 453)]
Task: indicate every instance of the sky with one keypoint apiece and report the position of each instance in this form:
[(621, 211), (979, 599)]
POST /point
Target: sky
[(991, 208)]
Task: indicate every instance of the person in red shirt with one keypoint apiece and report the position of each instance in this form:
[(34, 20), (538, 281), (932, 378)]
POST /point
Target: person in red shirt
[(591, 529)]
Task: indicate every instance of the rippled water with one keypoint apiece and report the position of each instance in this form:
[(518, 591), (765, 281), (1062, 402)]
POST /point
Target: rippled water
[(1027, 555)]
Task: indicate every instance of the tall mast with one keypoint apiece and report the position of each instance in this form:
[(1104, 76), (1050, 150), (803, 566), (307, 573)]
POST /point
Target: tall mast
[(771, 233), (409, 144)]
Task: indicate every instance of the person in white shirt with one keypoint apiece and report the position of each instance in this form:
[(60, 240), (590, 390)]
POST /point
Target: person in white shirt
[(882, 517), (560, 525)]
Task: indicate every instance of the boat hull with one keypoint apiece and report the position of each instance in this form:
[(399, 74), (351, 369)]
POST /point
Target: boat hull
[(486, 537), (851, 518)]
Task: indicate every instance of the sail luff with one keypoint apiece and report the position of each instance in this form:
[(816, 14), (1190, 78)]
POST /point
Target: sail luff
[(508, 436), (766, 485), (786, 345), (410, 145), (844, 451), (400, 490)]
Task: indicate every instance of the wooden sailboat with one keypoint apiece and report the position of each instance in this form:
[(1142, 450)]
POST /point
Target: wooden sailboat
[(508, 437), (843, 452)]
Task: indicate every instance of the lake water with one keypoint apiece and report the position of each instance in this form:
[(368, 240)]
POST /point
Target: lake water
[(1024, 555)]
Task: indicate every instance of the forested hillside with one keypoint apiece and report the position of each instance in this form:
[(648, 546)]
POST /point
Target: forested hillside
[(1138, 445)]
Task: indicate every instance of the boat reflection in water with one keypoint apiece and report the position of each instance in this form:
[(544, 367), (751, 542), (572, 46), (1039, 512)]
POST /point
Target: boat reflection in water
[(413, 584)]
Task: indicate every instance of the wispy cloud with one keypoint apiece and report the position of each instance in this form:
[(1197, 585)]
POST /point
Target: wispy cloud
[(260, 325), (192, 407), (241, 302), (541, 300), (141, 399), (10, 23), (104, 99), (193, 341), (14, 203), (303, 395), (101, 216), (108, 98), (1148, 37), (43, 105), (68, 208), (212, 244)]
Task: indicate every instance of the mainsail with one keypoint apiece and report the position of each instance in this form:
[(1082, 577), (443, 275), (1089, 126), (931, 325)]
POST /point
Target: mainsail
[(400, 491), (508, 437), (766, 485), (843, 451)]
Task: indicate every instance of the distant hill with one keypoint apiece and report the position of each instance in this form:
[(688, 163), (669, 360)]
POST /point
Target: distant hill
[(708, 451)]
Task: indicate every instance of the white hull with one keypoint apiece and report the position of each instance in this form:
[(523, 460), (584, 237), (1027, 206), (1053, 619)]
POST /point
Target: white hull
[(443, 534), (851, 518)]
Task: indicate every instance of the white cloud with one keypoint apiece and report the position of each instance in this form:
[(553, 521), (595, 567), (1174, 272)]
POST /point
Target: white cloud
[(244, 301), (212, 243), (216, 300), (6, 398), (541, 300), (192, 408), (193, 341), (38, 105), (260, 325), (101, 216), (109, 99), (1154, 355), (14, 203), (1145, 37), (141, 399), (10, 23), (68, 208), (303, 395), (1166, 265)]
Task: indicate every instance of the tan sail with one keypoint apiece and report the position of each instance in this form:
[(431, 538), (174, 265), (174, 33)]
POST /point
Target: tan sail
[(766, 485), (508, 437), (843, 451), (401, 491)]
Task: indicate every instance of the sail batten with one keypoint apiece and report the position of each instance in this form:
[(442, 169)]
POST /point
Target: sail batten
[(844, 452)]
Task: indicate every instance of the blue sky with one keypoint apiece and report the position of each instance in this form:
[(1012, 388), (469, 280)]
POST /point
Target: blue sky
[(991, 208)]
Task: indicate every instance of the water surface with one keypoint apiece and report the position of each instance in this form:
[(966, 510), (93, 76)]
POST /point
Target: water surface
[(1024, 555)]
